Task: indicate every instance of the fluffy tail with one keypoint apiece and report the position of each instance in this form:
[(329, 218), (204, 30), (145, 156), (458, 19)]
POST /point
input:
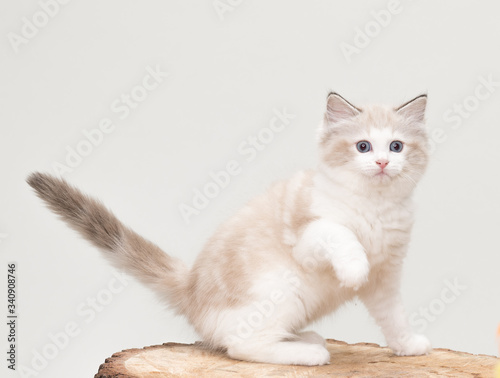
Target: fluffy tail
[(123, 247)]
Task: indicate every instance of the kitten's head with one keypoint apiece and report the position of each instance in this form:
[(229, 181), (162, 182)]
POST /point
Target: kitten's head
[(374, 147)]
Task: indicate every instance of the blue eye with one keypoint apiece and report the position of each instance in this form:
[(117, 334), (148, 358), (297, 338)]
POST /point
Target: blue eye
[(396, 146), (363, 146)]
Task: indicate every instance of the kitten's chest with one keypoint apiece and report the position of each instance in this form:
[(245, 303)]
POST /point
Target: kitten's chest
[(382, 225), (383, 229)]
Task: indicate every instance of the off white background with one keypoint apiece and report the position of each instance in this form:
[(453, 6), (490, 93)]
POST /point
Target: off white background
[(226, 75)]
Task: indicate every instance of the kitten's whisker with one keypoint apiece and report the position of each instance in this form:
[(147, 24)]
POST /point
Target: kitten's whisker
[(409, 178)]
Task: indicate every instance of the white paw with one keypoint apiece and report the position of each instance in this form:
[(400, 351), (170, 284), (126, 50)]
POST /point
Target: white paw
[(353, 273), (313, 355), (411, 345)]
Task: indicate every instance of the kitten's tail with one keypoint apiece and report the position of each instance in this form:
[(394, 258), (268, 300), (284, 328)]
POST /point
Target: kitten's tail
[(123, 247)]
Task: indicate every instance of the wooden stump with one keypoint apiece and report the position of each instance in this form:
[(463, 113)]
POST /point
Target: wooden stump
[(347, 360)]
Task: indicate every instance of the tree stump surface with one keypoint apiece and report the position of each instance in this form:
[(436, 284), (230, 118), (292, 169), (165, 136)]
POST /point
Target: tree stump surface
[(347, 360)]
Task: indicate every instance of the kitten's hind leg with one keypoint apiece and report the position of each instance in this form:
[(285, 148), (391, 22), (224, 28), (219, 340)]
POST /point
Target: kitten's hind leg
[(311, 337), (280, 352), (263, 330)]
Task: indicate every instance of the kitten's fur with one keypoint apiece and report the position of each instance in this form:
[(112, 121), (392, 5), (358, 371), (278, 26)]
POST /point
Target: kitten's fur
[(294, 254)]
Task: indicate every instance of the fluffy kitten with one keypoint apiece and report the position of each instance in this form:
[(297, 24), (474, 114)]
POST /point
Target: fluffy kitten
[(296, 253)]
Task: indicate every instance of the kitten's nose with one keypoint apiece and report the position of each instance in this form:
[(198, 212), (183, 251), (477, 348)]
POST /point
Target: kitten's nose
[(382, 163)]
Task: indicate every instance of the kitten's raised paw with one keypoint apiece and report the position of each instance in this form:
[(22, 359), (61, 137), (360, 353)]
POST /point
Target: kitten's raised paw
[(353, 273), (413, 345)]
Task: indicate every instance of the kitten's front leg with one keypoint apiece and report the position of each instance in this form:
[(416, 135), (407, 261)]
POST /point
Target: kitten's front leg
[(383, 300), (326, 242)]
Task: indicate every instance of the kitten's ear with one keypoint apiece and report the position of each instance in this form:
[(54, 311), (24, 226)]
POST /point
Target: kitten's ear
[(339, 109), (414, 109)]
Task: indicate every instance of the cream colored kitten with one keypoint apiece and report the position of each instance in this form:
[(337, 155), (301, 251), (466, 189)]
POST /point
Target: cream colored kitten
[(296, 253)]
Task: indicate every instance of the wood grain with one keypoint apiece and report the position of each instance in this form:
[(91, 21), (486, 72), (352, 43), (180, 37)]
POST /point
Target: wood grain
[(347, 360)]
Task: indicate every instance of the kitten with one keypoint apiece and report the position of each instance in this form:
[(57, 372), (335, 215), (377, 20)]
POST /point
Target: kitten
[(296, 253)]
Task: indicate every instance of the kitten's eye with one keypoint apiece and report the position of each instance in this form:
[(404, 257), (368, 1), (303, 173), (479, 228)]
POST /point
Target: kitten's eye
[(396, 146), (363, 146)]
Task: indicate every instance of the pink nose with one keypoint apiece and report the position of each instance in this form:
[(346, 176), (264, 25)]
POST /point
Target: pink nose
[(382, 163)]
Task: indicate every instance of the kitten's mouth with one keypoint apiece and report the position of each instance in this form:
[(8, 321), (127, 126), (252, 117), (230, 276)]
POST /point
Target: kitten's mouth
[(382, 176)]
